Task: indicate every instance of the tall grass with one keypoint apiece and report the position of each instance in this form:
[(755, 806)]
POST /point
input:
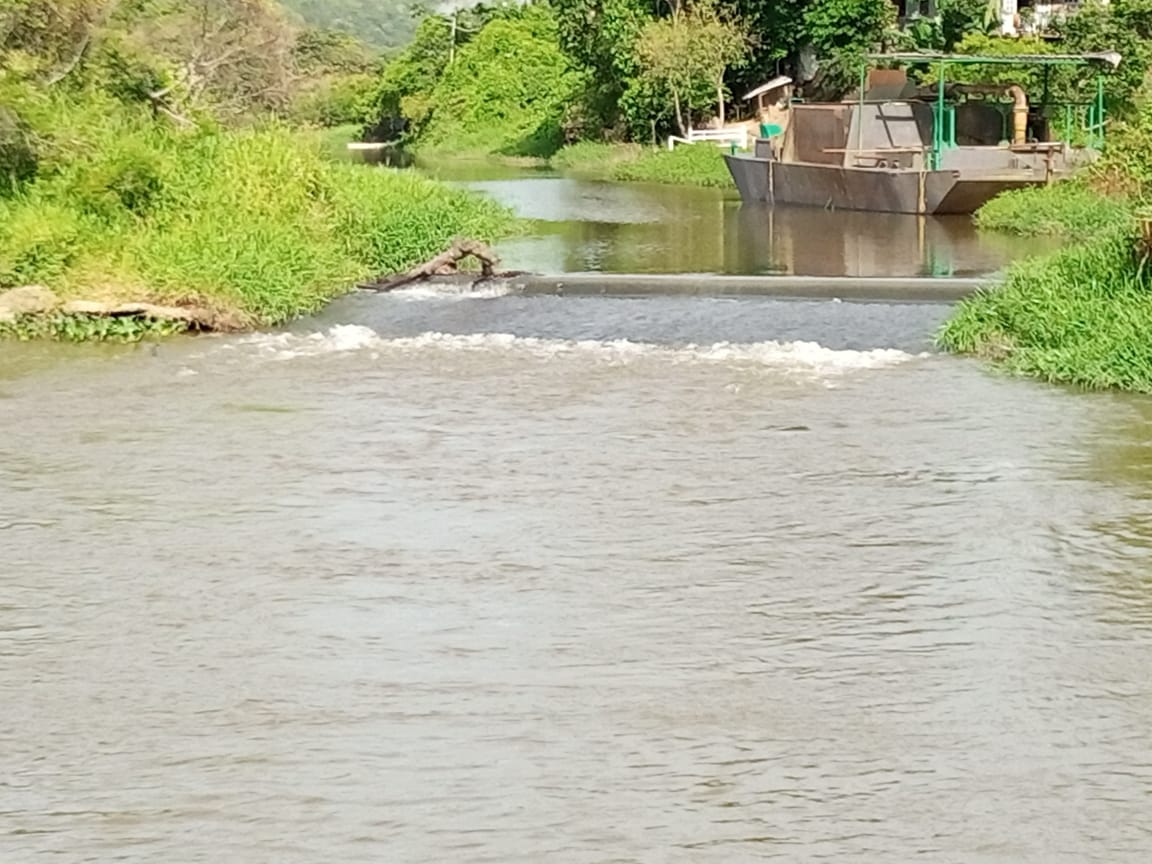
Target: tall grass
[(687, 165), (259, 223), (1082, 316)]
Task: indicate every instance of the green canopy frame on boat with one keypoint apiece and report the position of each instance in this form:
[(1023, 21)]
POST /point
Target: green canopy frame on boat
[(942, 116)]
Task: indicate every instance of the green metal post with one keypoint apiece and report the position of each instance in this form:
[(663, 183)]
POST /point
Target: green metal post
[(860, 109), (938, 126), (1099, 136)]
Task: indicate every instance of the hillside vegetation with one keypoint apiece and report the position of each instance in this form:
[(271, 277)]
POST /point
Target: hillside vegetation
[(381, 23)]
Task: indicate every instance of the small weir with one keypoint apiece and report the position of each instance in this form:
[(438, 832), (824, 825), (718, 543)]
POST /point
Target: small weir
[(879, 289)]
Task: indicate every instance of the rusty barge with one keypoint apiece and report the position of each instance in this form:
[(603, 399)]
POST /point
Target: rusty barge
[(944, 149)]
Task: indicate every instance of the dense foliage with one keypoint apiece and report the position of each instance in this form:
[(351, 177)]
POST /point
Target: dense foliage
[(506, 90), (637, 70)]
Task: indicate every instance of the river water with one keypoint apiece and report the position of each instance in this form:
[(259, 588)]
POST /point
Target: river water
[(585, 225), (505, 579)]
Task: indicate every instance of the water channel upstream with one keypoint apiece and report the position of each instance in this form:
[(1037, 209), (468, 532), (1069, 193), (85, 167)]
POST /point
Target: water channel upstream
[(443, 578)]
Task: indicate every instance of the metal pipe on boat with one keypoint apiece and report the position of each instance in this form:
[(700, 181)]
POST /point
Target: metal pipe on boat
[(1019, 114)]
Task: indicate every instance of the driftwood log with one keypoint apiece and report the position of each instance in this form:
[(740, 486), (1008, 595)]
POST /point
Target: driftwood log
[(447, 263)]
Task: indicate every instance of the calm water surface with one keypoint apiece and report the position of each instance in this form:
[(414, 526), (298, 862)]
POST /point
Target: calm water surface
[(638, 228), (443, 579)]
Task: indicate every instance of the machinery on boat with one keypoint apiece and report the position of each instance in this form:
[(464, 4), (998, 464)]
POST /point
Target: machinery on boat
[(944, 148)]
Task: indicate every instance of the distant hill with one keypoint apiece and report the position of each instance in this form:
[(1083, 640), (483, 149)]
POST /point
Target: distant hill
[(383, 23)]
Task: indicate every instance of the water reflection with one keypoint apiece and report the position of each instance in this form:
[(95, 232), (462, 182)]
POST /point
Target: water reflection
[(635, 228)]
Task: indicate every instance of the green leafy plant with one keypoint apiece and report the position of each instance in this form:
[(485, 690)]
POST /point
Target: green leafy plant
[(63, 327), (1072, 209)]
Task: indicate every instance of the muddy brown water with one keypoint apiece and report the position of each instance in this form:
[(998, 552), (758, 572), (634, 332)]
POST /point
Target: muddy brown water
[(524, 579)]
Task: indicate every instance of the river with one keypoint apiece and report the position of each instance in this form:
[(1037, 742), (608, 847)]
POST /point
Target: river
[(582, 225), (520, 579)]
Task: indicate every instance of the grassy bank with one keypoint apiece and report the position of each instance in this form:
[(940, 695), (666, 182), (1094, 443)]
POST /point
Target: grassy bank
[(689, 165), (1070, 209), (1082, 316), (258, 224)]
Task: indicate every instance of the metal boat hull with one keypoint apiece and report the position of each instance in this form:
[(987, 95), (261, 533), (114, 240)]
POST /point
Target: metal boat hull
[(874, 189)]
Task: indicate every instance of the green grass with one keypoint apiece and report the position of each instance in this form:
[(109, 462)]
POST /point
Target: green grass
[(1082, 316), (1071, 208), (687, 165), (260, 225), (594, 160)]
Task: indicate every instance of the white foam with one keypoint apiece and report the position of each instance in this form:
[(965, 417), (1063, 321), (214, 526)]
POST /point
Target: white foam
[(338, 339), (798, 356), (485, 290)]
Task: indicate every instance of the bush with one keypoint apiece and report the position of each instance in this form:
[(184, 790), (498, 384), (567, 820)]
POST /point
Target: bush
[(18, 159), (338, 101), (1071, 208), (39, 242)]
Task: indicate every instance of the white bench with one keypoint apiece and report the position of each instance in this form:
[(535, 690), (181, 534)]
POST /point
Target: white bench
[(724, 137)]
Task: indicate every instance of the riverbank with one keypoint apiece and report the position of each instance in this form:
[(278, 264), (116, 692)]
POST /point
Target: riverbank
[(686, 165), (252, 228), (1079, 316)]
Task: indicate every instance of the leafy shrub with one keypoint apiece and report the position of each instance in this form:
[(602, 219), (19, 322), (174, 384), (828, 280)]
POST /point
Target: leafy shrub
[(63, 327), (18, 159), (1071, 208)]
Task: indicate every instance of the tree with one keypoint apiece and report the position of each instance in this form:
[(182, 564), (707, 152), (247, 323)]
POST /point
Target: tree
[(689, 53), (1124, 26), (506, 90), (599, 36), (841, 32), (52, 36)]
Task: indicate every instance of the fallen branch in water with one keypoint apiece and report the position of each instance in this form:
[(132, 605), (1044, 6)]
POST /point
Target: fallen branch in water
[(447, 263)]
